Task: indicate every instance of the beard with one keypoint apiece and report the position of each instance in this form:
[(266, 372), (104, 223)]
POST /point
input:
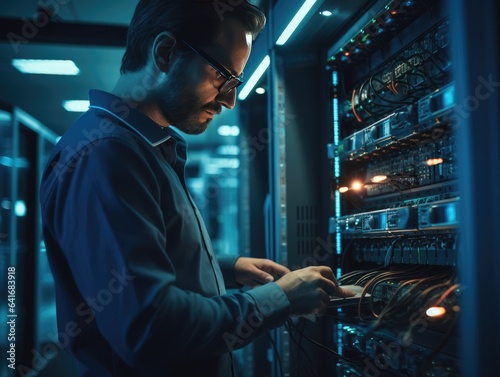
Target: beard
[(182, 108)]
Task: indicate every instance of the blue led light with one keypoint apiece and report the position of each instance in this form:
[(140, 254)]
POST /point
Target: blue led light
[(335, 78)]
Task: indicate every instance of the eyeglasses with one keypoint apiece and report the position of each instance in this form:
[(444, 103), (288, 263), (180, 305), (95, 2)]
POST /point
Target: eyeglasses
[(231, 81)]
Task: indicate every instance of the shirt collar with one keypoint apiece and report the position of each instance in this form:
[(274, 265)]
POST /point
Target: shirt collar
[(149, 130)]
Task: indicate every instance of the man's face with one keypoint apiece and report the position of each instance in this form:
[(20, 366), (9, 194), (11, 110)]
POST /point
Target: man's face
[(189, 98)]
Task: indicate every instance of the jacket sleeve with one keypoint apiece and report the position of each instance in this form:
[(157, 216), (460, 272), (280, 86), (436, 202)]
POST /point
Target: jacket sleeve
[(227, 263), (105, 216)]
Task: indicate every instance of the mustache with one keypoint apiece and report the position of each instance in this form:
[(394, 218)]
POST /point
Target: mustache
[(216, 109)]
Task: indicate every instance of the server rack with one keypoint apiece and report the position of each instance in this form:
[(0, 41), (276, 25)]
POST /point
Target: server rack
[(396, 192), (27, 290), (382, 109)]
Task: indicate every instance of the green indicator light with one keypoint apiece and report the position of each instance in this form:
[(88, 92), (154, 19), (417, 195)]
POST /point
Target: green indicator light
[(365, 38)]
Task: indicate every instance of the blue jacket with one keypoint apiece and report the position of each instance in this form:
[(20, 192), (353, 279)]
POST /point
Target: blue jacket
[(139, 291)]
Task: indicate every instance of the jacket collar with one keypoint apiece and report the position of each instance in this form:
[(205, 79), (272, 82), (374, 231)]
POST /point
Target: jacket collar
[(124, 112)]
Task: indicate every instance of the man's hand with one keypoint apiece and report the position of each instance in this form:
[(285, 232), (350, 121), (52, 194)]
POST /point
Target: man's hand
[(256, 271), (309, 289)]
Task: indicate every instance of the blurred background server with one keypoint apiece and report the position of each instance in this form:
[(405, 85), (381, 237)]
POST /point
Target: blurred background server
[(365, 138)]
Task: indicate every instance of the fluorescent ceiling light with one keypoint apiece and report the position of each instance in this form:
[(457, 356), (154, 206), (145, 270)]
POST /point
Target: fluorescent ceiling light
[(46, 67), (295, 22), (254, 79), (77, 106), (228, 130), (20, 208), (19, 162), (230, 150), (326, 13), (224, 163), (4, 116), (196, 183)]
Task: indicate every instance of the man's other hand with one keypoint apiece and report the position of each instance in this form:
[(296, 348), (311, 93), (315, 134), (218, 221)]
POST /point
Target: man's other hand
[(309, 289), (257, 271)]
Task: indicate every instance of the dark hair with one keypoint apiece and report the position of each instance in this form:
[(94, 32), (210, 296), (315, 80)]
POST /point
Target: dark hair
[(197, 21)]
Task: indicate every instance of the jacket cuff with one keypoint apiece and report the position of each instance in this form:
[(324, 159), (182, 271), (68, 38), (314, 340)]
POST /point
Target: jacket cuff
[(227, 263), (272, 303)]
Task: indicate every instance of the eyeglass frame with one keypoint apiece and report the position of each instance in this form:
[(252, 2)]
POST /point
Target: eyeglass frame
[(228, 76)]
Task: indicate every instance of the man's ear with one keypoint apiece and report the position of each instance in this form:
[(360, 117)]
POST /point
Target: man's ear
[(162, 50)]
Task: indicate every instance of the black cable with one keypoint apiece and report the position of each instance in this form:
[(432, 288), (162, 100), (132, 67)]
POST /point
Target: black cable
[(420, 67), (413, 91), (325, 347), (423, 72), (299, 348), (434, 58), (276, 352), (399, 103), (390, 249), (360, 97), (428, 362), (345, 250)]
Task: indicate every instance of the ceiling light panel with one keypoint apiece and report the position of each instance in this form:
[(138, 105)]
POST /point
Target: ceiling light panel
[(77, 106), (46, 67)]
